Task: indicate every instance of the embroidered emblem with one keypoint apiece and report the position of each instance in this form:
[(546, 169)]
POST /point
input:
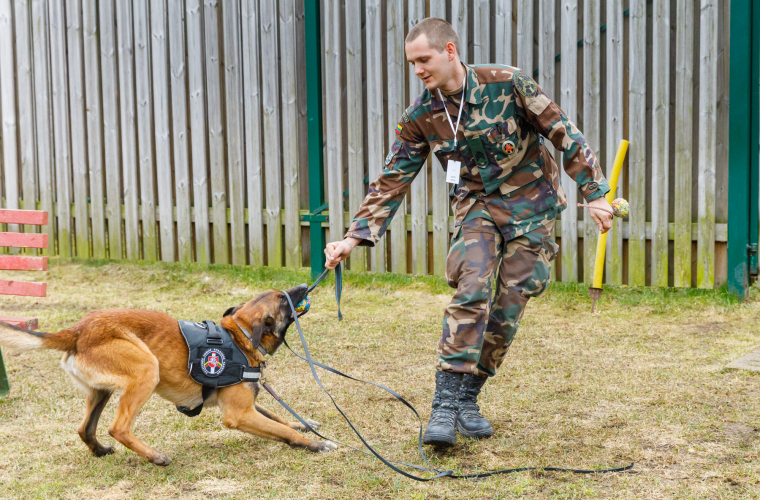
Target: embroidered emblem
[(213, 362), (389, 158), (509, 148), (405, 116), (399, 128), (524, 84)]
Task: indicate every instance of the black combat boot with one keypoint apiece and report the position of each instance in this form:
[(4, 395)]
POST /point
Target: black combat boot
[(441, 429), (470, 422)]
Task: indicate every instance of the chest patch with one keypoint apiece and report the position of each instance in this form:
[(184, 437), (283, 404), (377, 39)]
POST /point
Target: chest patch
[(524, 84), (213, 362)]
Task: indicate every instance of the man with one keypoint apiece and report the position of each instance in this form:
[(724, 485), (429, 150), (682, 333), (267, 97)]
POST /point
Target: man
[(506, 195)]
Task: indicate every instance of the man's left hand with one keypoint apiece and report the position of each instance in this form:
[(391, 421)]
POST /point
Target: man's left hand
[(603, 219)]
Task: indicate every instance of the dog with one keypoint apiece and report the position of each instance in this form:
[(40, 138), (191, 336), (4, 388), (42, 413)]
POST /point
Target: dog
[(140, 352)]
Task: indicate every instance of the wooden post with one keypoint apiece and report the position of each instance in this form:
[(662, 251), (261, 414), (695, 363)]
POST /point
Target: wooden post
[(355, 118), (660, 141), (290, 133), (418, 191), (216, 132), (683, 143), (525, 36), (8, 108), (271, 104), (160, 67), (708, 84), (637, 134), (481, 31), (614, 124), (503, 33), (253, 146), (178, 85), (233, 80), (375, 112), (591, 116), (440, 192), (198, 151), (396, 104)]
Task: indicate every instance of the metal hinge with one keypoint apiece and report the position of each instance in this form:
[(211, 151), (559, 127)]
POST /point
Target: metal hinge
[(752, 251)]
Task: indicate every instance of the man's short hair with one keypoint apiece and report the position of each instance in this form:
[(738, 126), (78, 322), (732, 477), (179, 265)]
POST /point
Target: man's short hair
[(438, 32)]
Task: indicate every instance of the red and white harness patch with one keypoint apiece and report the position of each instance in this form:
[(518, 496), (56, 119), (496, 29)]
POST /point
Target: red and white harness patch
[(213, 362)]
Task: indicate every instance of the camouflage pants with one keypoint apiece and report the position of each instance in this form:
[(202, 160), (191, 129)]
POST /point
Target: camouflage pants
[(477, 332)]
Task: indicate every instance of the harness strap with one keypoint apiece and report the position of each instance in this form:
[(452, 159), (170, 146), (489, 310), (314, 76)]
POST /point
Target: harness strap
[(387, 462), (206, 393)]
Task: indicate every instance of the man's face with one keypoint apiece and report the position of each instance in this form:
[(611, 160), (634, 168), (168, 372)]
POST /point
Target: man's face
[(434, 68)]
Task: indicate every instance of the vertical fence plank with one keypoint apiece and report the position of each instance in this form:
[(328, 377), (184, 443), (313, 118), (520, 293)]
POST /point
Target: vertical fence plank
[(683, 130), (419, 185), (395, 75), (252, 107), (159, 52), (60, 91), (8, 109), (145, 128), (569, 102), (503, 32), (525, 36), (215, 132), (25, 106), (459, 21), (128, 122), (637, 125), (375, 111), (43, 130), (109, 74), (708, 84), (78, 126), (440, 193), (177, 80), (198, 144), (271, 123), (334, 133), (591, 116), (546, 78), (481, 31), (614, 124), (234, 111), (94, 125), (355, 119), (290, 131), (660, 139)]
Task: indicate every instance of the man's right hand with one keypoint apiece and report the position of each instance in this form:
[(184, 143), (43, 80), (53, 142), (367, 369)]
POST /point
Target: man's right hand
[(337, 251)]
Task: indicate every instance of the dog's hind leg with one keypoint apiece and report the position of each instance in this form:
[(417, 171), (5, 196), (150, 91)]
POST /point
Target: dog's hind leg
[(293, 425), (96, 401)]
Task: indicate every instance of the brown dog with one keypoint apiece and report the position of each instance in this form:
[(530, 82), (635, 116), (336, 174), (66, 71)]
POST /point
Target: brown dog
[(139, 352)]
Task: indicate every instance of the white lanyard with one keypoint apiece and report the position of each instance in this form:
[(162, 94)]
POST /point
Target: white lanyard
[(461, 105)]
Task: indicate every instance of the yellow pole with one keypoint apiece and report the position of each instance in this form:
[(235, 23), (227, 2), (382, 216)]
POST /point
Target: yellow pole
[(601, 246)]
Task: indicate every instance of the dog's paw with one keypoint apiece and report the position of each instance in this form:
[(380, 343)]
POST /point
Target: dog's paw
[(102, 451), (326, 446), (161, 459), (313, 423)]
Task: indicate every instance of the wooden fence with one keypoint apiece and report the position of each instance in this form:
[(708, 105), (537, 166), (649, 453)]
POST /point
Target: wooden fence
[(176, 129)]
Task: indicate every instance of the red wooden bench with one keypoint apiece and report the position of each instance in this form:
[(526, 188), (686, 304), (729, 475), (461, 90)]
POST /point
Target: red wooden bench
[(21, 263)]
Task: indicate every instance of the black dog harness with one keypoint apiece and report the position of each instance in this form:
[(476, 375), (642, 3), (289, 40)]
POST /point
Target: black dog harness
[(214, 360)]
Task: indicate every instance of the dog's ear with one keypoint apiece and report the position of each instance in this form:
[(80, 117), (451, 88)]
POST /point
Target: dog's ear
[(231, 310), (257, 331)]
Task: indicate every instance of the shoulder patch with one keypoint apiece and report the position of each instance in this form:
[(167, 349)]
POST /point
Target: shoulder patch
[(524, 84), (405, 116)]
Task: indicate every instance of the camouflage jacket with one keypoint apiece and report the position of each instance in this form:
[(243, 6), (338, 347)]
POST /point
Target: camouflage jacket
[(504, 164)]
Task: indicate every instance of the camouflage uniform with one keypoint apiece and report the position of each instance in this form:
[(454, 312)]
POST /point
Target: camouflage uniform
[(505, 203)]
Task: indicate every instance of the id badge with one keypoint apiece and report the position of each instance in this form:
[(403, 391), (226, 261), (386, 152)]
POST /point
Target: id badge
[(452, 171)]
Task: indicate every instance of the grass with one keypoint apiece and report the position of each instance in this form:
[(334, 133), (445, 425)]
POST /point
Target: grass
[(642, 380)]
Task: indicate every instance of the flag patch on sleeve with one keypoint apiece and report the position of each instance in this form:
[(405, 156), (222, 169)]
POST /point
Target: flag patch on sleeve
[(399, 128)]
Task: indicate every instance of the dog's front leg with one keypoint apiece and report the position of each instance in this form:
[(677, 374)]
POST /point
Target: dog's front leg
[(237, 403), (298, 426)]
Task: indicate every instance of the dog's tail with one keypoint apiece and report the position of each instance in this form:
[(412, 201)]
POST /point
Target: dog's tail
[(24, 340)]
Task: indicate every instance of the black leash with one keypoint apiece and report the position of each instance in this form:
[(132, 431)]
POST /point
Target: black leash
[(387, 462)]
